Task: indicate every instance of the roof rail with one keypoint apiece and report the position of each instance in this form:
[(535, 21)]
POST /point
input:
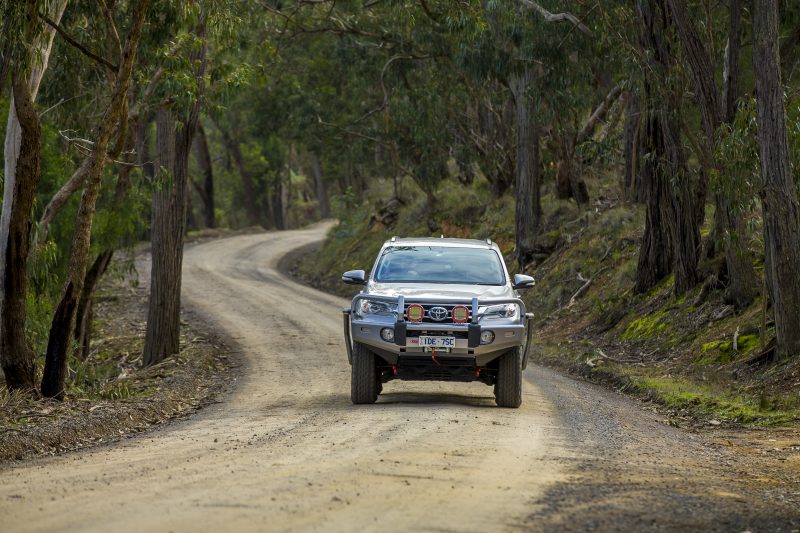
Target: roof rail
[(489, 242), (394, 238)]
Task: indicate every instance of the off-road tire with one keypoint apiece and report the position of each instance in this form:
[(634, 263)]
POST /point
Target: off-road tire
[(363, 380), (508, 387)]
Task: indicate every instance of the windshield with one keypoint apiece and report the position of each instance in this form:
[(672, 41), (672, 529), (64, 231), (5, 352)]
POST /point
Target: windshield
[(440, 264)]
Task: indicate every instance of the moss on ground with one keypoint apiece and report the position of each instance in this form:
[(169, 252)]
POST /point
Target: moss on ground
[(683, 395), (647, 327)]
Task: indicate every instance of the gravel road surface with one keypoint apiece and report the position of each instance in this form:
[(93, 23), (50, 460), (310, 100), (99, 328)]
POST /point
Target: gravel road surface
[(286, 450)]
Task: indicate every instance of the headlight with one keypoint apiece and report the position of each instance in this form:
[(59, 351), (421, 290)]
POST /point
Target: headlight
[(498, 311), (375, 307)]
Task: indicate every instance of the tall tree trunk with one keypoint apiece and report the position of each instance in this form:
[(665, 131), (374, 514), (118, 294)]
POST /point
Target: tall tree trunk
[(17, 357), (21, 178), (528, 206), (167, 229), (656, 249), (278, 205), (207, 190), (168, 221), (319, 183), (686, 194), (742, 281), (61, 328), (633, 120), (84, 313), (730, 77), (779, 193)]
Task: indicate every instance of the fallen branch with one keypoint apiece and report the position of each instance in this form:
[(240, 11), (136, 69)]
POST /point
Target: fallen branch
[(584, 287)]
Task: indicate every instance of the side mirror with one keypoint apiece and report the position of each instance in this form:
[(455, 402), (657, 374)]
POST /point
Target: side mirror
[(521, 281), (354, 277)]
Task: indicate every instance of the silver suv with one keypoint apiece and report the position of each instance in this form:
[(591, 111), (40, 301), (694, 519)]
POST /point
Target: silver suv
[(437, 310)]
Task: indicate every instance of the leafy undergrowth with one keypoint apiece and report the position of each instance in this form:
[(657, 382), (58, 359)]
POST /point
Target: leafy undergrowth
[(109, 395), (695, 355)]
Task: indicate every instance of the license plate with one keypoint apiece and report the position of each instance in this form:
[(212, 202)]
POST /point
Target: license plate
[(437, 342)]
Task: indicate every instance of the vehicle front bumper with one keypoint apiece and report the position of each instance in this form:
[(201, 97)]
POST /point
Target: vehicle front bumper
[(508, 334)]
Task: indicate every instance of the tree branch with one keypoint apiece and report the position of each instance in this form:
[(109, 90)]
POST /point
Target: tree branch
[(556, 17), (60, 198), (85, 51), (599, 114)]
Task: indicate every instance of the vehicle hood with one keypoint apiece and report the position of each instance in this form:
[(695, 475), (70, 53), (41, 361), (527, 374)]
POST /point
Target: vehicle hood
[(439, 290)]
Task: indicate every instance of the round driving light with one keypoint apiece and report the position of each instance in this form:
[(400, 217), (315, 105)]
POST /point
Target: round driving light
[(487, 337), (415, 312), (460, 314), (387, 334)]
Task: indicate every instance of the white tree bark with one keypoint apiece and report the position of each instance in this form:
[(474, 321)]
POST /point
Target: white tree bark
[(42, 49)]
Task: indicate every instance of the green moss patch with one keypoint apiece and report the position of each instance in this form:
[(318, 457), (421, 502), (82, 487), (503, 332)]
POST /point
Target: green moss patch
[(681, 394)]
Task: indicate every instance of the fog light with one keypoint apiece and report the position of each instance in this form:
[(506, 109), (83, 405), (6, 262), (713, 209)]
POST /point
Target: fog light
[(487, 337), (387, 334)]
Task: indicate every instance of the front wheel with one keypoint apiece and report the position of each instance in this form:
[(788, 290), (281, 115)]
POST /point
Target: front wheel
[(508, 388), (363, 381)]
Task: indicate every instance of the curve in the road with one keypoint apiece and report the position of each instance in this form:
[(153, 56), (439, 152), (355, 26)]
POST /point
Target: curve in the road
[(288, 452)]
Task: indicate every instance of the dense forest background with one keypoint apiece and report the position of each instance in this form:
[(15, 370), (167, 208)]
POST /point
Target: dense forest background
[(638, 156)]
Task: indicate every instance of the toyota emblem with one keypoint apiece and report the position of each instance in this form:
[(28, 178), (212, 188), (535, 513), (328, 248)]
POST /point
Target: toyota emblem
[(437, 313)]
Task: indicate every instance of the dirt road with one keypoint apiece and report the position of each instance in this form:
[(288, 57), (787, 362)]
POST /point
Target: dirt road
[(286, 451)]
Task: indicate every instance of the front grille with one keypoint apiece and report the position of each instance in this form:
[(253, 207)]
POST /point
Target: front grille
[(447, 317)]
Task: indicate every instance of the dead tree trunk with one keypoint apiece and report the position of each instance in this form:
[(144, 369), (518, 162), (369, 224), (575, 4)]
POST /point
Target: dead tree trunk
[(779, 194), (168, 221), (207, 190), (319, 185), (528, 195), (61, 328)]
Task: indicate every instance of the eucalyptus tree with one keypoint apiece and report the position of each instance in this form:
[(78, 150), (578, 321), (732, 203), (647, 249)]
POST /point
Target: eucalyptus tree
[(177, 120), (25, 45), (717, 107), (182, 92), (779, 193), (112, 121)]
